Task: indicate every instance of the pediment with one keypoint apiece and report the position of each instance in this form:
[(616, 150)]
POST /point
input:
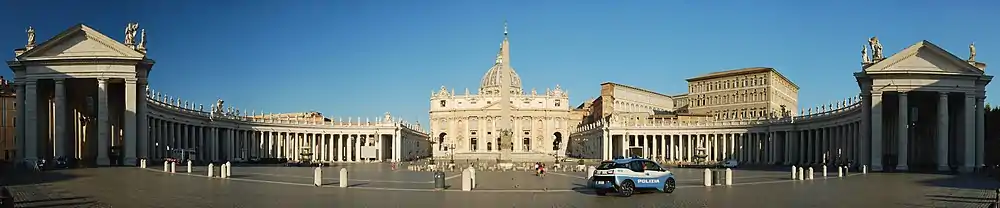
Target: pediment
[(81, 41), (924, 57)]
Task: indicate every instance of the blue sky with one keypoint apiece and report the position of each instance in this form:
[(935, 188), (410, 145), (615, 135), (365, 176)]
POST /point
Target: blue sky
[(363, 58)]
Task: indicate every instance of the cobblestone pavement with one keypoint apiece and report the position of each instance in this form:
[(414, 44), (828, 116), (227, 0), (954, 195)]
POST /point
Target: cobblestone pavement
[(36, 190), (133, 187)]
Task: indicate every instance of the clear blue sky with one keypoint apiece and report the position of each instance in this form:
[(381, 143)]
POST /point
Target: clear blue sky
[(363, 58)]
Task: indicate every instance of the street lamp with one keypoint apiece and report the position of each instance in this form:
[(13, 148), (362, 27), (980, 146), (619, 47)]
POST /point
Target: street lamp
[(451, 147)]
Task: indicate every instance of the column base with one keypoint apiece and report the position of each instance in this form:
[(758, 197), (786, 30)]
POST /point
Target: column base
[(103, 161), (902, 167), (876, 168), (943, 168), (131, 161), (966, 169)]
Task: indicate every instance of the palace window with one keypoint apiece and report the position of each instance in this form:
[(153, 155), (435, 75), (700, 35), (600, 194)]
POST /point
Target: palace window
[(558, 103), (443, 103), (472, 144)]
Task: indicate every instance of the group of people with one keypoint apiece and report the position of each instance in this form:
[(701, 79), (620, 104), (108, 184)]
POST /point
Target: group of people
[(539, 169)]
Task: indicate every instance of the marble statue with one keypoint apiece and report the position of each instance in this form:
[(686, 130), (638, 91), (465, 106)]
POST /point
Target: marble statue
[(388, 117), (142, 40), (201, 107), (130, 30), (876, 48), (864, 55), (218, 104), (533, 92), (31, 36), (972, 52)]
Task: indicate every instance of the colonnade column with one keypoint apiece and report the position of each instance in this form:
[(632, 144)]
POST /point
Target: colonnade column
[(143, 128), (901, 129), (980, 131), (103, 125), (61, 137), (969, 158), (876, 131), (942, 132), (130, 122)]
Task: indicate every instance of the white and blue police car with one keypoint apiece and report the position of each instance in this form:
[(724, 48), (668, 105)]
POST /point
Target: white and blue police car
[(629, 175)]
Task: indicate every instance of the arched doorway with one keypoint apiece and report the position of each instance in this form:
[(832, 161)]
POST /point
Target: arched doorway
[(557, 141), (526, 144), (489, 146), (441, 146)]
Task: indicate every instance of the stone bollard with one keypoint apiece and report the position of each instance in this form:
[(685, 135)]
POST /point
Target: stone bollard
[(802, 174), (166, 166), (318, 177), (211, 169), (847, 170), (189, 166), (142, 163), (173, 167), (794, 174), (467, 180), (824, 171), (810, 173), (864, 169), (840, 171), (229, 169), (708, 177), (472, 173), (343, 177), (222, 170), (729, 177), (590, 171)]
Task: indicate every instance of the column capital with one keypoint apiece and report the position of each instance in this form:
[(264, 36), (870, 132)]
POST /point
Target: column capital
[(943, 94), (59, 80), (902, 94), (103, 80)]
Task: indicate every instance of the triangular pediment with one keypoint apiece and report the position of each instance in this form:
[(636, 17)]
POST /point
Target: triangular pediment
[(81, 41), (924, 57)]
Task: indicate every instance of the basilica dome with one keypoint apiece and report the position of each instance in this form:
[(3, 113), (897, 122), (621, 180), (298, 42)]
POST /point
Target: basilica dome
[(492, 81)]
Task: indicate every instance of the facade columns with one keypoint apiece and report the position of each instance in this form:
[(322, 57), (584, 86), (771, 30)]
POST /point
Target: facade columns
[(942, 132), (969, 134), (143, 119)]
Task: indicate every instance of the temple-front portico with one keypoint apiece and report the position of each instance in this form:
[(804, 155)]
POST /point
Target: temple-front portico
[(926, 109), (81, 78)]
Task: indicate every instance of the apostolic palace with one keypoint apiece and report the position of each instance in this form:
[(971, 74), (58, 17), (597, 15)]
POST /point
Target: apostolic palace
[(84, 96)]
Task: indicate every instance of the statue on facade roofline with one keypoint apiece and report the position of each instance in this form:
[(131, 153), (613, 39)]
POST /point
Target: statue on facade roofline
[(876, 48), (31, 36), (972, 52), (864, 55)]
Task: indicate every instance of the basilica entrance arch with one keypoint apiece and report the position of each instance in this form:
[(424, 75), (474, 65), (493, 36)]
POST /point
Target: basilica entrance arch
[(556, 141), (923, 110)]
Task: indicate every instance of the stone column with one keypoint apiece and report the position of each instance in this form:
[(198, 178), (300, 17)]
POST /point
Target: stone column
[(103, 124), (130, 140), (980, 131), (942, 132), (143, 118), (969, 134), (876, 132), (902, 124), (61, 137), (31, 122)]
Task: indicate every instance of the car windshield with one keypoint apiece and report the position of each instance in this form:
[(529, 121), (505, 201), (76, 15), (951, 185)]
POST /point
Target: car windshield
[(611, 165)]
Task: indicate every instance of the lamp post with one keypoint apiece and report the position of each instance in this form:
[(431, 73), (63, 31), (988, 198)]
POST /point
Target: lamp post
[(451, 147)]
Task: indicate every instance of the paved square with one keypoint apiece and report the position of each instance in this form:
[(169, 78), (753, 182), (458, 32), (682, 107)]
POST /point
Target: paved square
[(374, 186)]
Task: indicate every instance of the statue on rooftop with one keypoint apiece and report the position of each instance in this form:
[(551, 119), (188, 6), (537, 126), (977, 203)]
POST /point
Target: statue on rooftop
[(31, 36), (865, 59), (130, 30), (972, 52), (876, 49)]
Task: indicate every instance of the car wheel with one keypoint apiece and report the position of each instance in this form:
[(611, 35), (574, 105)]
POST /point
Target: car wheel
[(601, 192), (627, 188), (669, 186)]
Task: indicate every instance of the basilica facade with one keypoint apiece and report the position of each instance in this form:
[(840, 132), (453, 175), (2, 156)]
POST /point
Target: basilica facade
[(467, 126)]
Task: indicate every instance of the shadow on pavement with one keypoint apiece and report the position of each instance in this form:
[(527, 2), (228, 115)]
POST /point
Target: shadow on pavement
[(962, 182), (13, 176)]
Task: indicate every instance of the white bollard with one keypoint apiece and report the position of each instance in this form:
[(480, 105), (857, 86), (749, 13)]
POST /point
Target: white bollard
[(794, 174), (824, 171), (847, 170), (211, 169), (802, 174), (343, 177), (840, 171), (189, 166), (590, 172), (864, 169), (229, 169), (729, 177), (708, 177), (467, 180), (166, 166), (318, 177), (142, 163), (173, 167), (811, 173), (472, 173), (222, 170)]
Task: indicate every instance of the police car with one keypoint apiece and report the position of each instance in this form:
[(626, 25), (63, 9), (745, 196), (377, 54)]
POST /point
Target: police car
[(629, 175)]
